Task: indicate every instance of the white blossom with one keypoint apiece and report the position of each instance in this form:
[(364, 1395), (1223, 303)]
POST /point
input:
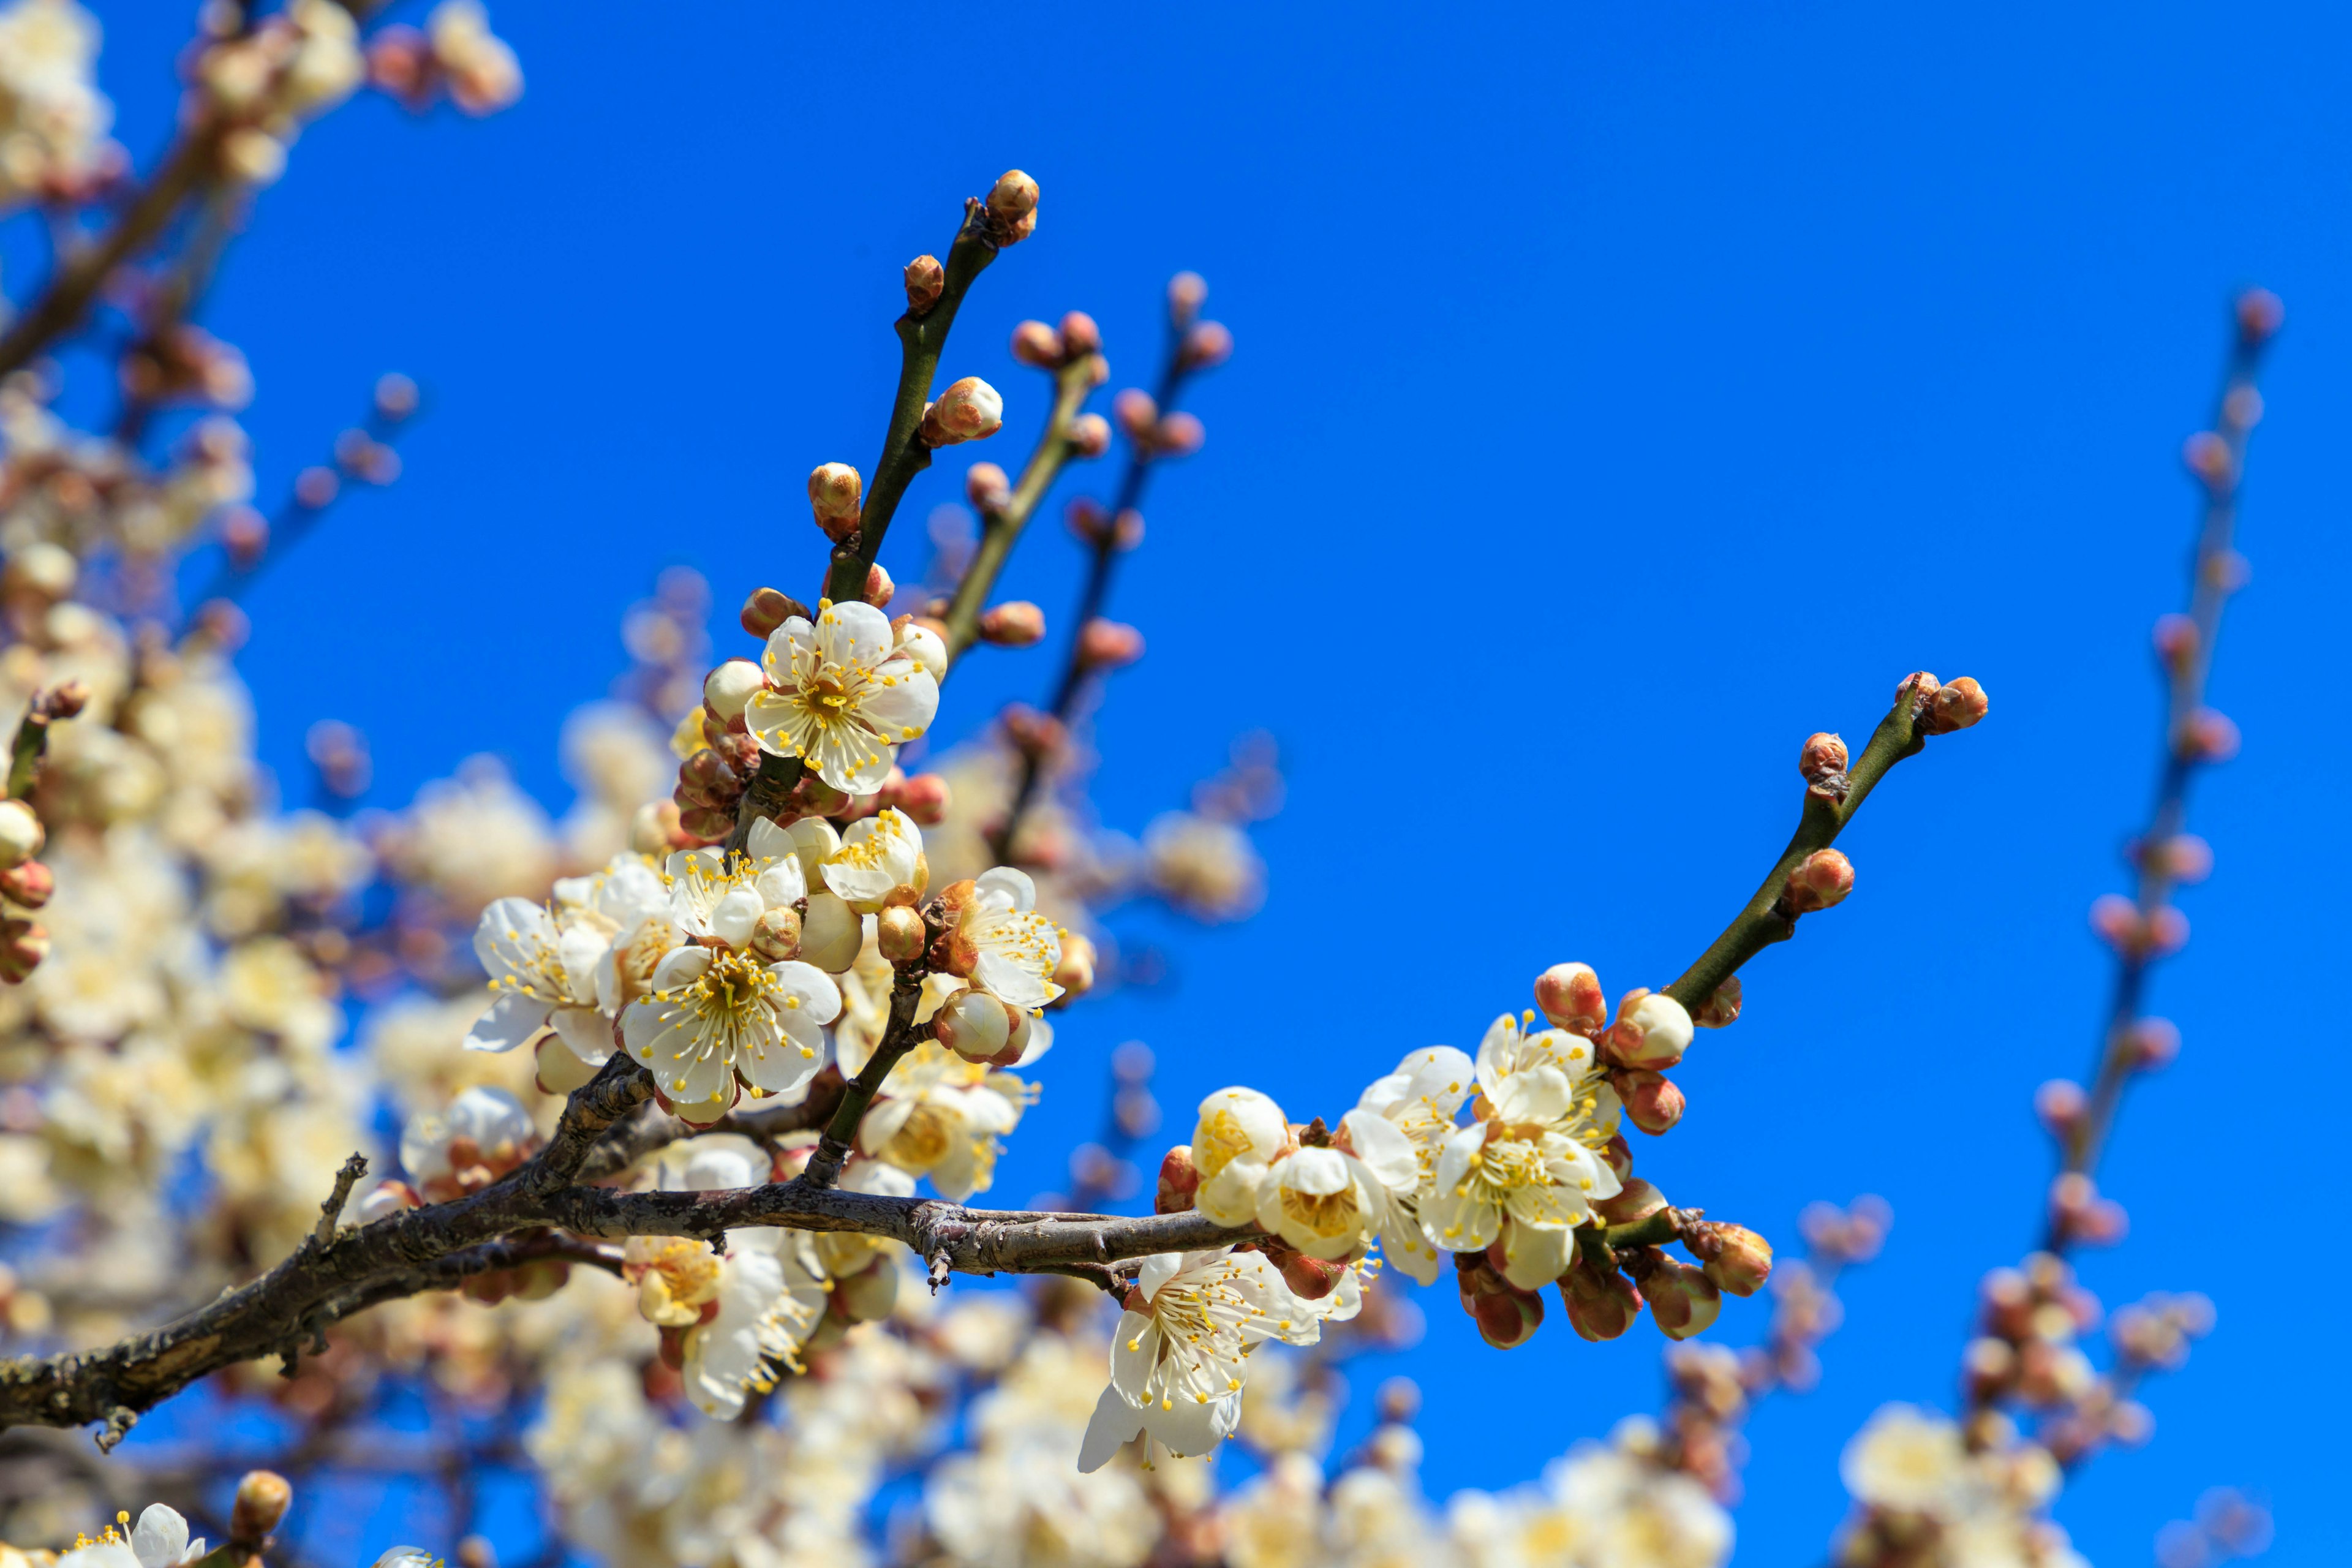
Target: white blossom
[(842, 696), (1234, 1143)]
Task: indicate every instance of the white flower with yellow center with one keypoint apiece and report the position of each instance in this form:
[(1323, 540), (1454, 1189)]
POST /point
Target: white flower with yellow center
[(549, 966), (1235, 1143), (841, 695), (1421, 1100), (1001, 943), (1909, 1459), (1181, 1351), (1528, 1169), (1331, 1203), (940, 1116), (160, 1540), (880, 857)]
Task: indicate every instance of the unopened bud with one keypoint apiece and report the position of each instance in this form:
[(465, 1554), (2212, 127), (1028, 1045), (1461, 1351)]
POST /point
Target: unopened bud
[(1012, 207), (1601, 1303), (704, 824), (898, 933), (1740, 1261), (831, 933), (1076, 972), (1178, 1180), (1922, 686), (21, 834), (2184, 858), (1187, 292), (1207, 345), (879, 589), (1137, 414), (2153, 1043), (23, 945), (1652, 1031), (1110, 645), (777, 937), (1636, 1199), (2175, 641), (1954, 706), (1823, 879), (1089, 436), (1309, 1279), (2060, 1104), (2260, 314), (1016, 623), (923, 797), (973, 1025), (836, 492), (769, 609), (1080, 335), (1823, 764), (29, 884), (1178, 435), (2206, 456), (987, 487), (1506, 1317), (1682, 1300), (726, 689), (2207, 736), (1036, 735), (654, 829), (68, 697), (926, 281), (1035, 343), (1570, 996), (1721, 1009), (968, 410), (1652, 1102), (262, 1497)]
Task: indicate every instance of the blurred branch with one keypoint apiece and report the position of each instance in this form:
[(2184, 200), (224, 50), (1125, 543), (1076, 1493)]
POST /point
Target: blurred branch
[(1001, 526)]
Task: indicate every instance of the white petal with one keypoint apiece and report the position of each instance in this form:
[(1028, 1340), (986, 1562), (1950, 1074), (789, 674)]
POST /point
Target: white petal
[(737, 916), (587, 1031), (1115, 1425), (1386, 1151), (1535, 1255), (853, 632), (160, 1538), (681, 967), (1157, 1270), (1190, 1428), (1013, 883), (767, 840), (510, 934), (511, 1019)]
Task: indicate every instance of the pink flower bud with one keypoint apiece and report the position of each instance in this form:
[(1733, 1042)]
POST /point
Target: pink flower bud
[(2175, 641), (926, 281), (1741, 1260), (1922, 686), (968, 410), (23, 945), (1721, 1009), (1824, 878), (1822, 753), (879, 589), (1110, 645), (2184, 858), (835, 492), (1075, 974), (1309, 1279), (1652, 1102), (2153, 1043), (1037, 734), (923, 797), (1187, 292), (1089, 438), (1035, 343), (1177, 1182), (1016, 623), (2060, 1103), (767, 609), (726, 689), (1652, 1031), (777, 937), (2259, 313), (2206, 456), (1506, 1317), (973, 1025), (1087, 519), (1601, 1305), (2207, 736), (1011, 208), (245, 534), (1207, 345), (1127, 529), (29, 884), (1136, 413), (1956, 707), (987, 487), (1682, 1300), (1178, 435), (1570, 996), (1080, 335)]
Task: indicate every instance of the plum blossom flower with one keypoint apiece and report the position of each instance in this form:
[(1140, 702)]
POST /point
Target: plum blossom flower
[(484, 1128), (552, 965), (842, 695), (1182, 1352), (1421, 1100), (879, 856), (1235, 1143), (160, 1540), (1001, 943), (940, 1116), (1331, 1203)]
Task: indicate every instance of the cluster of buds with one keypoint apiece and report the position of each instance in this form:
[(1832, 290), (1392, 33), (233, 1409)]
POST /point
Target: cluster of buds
[(178, 362), (1200, 345), (711, 780), (2151, 1335), (1650, 1035), (2027, 1352), (2138, 934), (262, 82), (456, 52), (1152, 433), (1938, 709), (1010, 213), (2229, 1527), (1092, 525), (485, 1134), (26, 884), (1077, 341)]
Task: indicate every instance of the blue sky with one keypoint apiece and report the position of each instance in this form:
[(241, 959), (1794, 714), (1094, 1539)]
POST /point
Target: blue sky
[(1637, 389)]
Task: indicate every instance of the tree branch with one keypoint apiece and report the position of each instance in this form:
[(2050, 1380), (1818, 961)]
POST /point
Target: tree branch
[(841, 1133)]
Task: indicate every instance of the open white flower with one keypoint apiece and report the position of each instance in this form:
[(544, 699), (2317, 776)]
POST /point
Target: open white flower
[(484, 1126), (1331, 1202), (1234, 1143), (1907, 1459), (557, 966), (940, 1116), (1181, 1355), (160, 1540), (1002, 944), (842, 696), (1419, 1099), (879, 856)]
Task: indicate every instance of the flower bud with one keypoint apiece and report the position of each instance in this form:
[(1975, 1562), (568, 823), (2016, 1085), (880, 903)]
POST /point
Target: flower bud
[(1012, 208), (1089, 436), (898, 933), (1178, 1180), (1086, 519), (972, 1024), (21, 834), (834, 492), (1206, 346), (1109, 644), (1652, 1102), (654, 829), (1682, 1300), (262, 1499), (923, 797), (1075, 974), (1601, 1304), (1137, 414), (29, 884), (1178, 435), (1637, 1199), (23, 945), (1742, 1260), (987, 487), (1652, 1031), (2060, 1104), (1823, 879), (2206, 456), (1823, 762), (1187, 292), (1721, 1009), (1035, 343), (1956, 707), (777, 937), (1570, 996), (831, 933), (1922, 686), (705, 823), (2184, 858), (879, 589), (2207, 736), (1080, 335), (968, 410), (2153, 1043), (769, 609), (2176, 639), (1016, 623), (926, 281), (1506, 1317), (726, 689)]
